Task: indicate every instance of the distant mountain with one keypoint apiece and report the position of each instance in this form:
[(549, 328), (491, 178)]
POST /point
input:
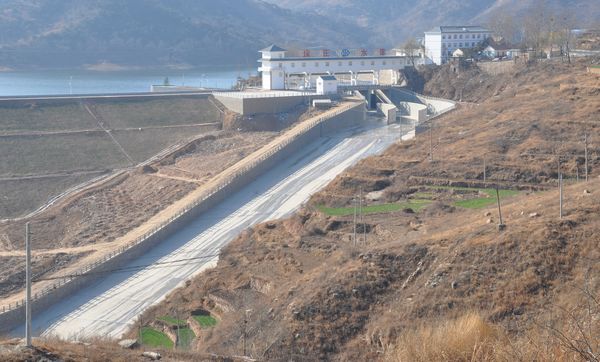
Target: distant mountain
[(392, 21), (73, 33), (146, 33)]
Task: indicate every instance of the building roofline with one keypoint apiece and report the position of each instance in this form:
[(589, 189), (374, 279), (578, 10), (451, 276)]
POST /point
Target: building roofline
[(333, 58), (272, 48)]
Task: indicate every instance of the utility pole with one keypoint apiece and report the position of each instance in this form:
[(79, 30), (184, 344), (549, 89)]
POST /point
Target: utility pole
[(585, 140), (362, 216), (501, 225), (178, 341), (244, 335), (484, 170), (28, 286), (431, 140), (560, 195), (354, 236)]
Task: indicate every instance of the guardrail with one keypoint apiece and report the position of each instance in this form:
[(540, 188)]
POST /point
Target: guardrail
[(244, 95), (234, 175)]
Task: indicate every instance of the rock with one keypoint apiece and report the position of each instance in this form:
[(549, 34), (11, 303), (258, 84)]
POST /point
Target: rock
[(155, 356), (454, 285), (534, 214), (586, 192), (128, 343), (489, 221), (487, 214)]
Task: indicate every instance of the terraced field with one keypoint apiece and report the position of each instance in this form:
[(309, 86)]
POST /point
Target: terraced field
[(47, 147)]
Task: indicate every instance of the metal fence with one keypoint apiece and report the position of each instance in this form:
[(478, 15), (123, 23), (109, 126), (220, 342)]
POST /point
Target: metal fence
[(244, 95)]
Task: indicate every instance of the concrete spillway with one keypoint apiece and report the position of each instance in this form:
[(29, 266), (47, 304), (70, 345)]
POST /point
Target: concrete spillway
[(110, 305)]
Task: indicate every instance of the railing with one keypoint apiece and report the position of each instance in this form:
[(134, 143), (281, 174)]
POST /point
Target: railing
[(276, 146), (276, 94)]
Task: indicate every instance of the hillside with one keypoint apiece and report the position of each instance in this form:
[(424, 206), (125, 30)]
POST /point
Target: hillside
[(434, 279), (184, 33), (73, 33), (394, 21)]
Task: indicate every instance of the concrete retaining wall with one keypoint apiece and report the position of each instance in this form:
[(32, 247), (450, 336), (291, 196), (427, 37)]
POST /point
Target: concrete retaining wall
[(23, 101), (495, 68), (348, 116), (435, 106), (257, 104)]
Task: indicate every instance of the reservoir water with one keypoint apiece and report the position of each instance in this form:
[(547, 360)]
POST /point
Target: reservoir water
[(53, 82)]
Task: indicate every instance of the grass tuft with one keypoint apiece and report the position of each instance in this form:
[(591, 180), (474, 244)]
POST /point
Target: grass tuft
[(468, 338)]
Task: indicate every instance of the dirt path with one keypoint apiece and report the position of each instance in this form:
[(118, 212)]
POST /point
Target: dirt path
[(178, 178), (101, 123)]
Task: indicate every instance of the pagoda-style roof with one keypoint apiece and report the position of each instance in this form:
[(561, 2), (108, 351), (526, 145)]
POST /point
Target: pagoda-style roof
[(272, 48)]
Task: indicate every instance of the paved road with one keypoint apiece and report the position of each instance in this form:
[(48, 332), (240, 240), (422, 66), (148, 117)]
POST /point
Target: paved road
[(110, 306)]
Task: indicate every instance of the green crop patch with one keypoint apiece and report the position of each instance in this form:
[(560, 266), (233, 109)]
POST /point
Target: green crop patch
[(206, 321), (172, 321), (415, 205), (186, 337), (477, 202), (152, 337)]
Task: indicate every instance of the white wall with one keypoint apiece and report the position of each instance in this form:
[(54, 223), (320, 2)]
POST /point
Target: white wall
[(433, 47), (279, 68), (326, 86)]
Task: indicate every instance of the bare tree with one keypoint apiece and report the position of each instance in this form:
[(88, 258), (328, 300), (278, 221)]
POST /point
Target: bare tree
[(504, 25), (411, 49), (566, 21), (536, 25)]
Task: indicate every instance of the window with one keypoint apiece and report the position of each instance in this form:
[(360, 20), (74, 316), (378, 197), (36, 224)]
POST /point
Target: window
[(383, 62), (326, 64), (454, 36), (472, 44), (372, 62), (362, 62), (460, 45), (443, 37), (339, 64), (293, 65), (316, 64), (350, 63), (478, 36), (460, 36), (455, 45), (303, 64), (280, 65)]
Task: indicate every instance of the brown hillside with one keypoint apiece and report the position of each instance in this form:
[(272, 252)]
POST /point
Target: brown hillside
[(310, 294)]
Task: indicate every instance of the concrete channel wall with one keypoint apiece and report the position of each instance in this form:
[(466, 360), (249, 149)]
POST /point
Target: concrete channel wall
[(347, 115), (61, 100), (248, 104)]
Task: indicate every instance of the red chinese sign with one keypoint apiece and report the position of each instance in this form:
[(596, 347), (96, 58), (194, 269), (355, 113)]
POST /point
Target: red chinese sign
[(325, 52), (381, 51)]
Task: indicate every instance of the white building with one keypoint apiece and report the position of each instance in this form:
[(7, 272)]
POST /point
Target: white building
[(327, 84), (280, 68), (441, 42)]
